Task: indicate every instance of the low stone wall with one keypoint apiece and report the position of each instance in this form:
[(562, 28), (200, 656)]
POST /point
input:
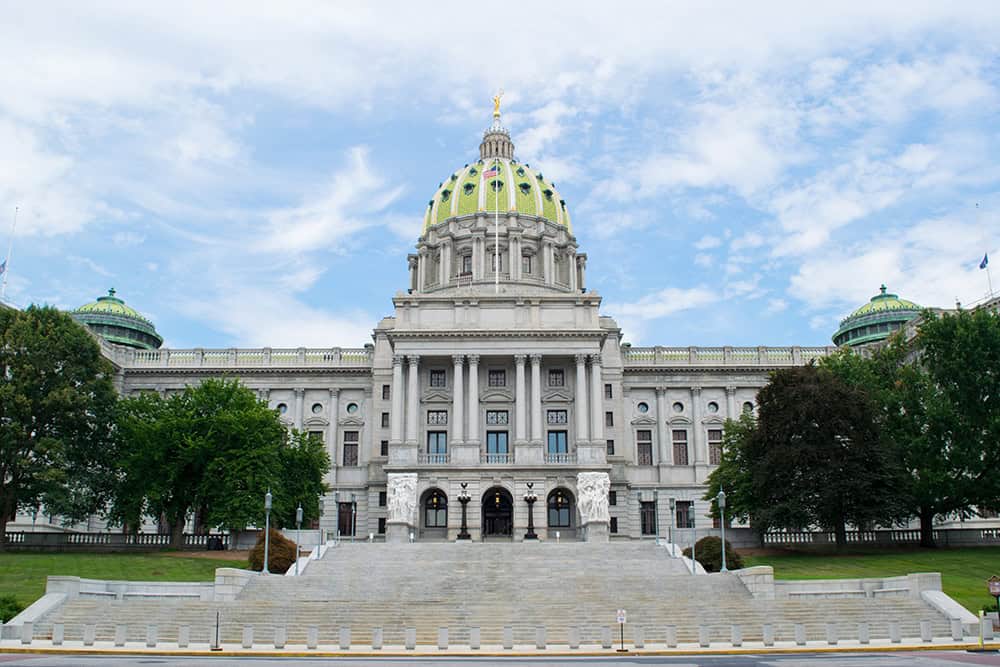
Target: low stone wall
[(229, 581), (74, 587), (747, 538)]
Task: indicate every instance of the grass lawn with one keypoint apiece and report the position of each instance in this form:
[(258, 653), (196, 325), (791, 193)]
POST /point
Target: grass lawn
[(23, 574), (963, 571)]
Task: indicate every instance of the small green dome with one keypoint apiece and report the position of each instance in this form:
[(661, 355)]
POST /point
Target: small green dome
[(496, 182), (876, 320), (116, 322)]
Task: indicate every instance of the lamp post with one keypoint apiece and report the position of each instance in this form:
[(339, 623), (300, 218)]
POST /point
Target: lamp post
[(336, 513), (673, 517), (656, 514), (267, 529), (464, 498), (530, 497), (298, 536), (694, 540), (354, 516), (720, 500)]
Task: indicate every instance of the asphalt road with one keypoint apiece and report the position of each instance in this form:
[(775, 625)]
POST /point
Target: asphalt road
[(920, 659)]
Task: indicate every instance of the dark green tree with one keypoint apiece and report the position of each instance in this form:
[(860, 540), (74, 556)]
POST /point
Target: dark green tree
[(814, 458), (304, 462), (56, 407), (213, 448)]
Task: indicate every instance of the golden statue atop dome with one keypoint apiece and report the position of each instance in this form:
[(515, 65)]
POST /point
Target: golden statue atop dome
[(496, 103)]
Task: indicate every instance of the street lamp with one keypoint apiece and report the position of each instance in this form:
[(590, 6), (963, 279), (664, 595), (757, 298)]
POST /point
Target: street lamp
[(656, 514), (464, 498), (267, 529), (673, 518), (298, 536), (530, 497), (354, 516), (720, 500), (336, 525), (694, 539)]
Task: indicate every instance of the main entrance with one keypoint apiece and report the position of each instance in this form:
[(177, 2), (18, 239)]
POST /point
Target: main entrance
[(498, 513)]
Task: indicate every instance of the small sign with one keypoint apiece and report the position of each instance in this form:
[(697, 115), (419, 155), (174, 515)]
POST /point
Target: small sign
[(994, 585), (621, 616)]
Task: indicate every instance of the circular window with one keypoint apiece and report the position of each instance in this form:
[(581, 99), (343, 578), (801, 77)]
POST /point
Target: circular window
[(317, 408), (678, 407), (282, 408), (748, 408), (713, 407), (352, 408), (643, 407)]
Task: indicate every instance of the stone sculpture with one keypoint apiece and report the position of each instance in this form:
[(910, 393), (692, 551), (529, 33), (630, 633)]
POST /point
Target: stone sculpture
[(592, 489), (402, 497)]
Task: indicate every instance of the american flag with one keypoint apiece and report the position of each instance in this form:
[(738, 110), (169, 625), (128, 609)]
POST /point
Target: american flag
[(491, 172)]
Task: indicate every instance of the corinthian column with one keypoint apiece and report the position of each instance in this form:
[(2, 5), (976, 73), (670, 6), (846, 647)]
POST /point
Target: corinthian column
[(473, 436), (536, 399), (396, 422), (596, 399), (457, 418), (412, 399), (582, 434), (666, 451), (520, 391)]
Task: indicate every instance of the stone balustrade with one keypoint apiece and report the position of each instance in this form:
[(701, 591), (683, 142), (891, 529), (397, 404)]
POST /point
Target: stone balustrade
[(265, 357), (766, 357)]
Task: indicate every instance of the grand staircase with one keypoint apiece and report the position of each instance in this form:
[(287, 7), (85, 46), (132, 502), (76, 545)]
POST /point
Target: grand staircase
[(428, 586)]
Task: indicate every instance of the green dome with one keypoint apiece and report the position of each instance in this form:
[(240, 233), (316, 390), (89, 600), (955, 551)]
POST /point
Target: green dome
[(116, 322), (516, 187), (876, 320)]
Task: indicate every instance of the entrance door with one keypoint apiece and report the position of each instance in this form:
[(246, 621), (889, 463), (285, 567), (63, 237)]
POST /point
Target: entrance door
[(498, 513), (346, 518)]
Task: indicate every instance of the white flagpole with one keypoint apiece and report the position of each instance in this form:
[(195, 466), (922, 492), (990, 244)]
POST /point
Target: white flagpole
[(989, 279), (10, 249), (496, 229)]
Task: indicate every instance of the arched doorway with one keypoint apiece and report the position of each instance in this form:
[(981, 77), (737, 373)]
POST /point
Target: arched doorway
[(434, 514), (498, 513), (560, 513)]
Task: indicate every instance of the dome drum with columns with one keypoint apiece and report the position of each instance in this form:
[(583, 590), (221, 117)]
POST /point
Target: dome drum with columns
[(492, 386)]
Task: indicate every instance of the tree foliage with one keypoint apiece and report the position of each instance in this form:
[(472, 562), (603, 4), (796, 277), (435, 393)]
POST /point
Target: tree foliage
[(56, 409), (813, 458), (214, 449)]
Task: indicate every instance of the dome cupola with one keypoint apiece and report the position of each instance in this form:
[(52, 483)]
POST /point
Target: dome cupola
[(112, 320), (875, 321)]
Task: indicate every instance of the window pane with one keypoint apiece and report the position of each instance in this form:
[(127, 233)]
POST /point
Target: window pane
[(557, 442), (498, 378)]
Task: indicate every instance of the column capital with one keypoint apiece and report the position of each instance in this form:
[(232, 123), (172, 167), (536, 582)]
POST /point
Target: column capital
[(595, 359), (397, 360), (581, 359), (473, 359), (536, 359), (334, 392), (695, 391), (458, 359), (520, 359), (299, 391), (414, 359), (730, 390), (661, 390)]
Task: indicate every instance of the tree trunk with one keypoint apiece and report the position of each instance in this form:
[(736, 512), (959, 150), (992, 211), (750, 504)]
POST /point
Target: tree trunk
[(840, 535), (3, 531), (177, 532), (927, 528)]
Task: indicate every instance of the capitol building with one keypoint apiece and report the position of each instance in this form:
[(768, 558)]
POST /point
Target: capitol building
[(496, 380)]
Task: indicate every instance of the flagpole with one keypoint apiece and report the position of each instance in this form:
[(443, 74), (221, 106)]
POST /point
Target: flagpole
[(10, 249), (989, 279)]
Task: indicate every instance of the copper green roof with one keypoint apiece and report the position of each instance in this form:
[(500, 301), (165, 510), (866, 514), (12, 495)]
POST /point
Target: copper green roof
[(876, 320), (113, 320)]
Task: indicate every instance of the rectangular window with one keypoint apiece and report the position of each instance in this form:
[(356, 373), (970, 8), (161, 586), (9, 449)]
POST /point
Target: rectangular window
[(644, 447), (556, 417), (438, 377), (316, 435), (437, 442), (385, 392), (497, 417), (647, 517), (557, 378), (381, 525), (497, 378), (383, 449), (608, 391), (350, 448), (382, 498), (385, 420), (493, 262), (714, 446), (496, 442), (526, 265), (614, 525), (680, 438), (466, 264), (609, 419), (557, 442), (611, 447), (612, 497), (437, 417), (685, 515)]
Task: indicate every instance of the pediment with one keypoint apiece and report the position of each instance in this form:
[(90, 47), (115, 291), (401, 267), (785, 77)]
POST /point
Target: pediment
[(679, 420), (714, 419), (317, 421), (351, 421), (557, 396), (644, 421), (436, 396), (496, 395)]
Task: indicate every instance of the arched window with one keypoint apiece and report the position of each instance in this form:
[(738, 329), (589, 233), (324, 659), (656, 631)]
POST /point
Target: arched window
[(560, 509), (436, 510)]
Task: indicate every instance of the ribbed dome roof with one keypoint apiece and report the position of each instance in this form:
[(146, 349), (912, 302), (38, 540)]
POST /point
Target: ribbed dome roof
[(875, 320), (114, 321)]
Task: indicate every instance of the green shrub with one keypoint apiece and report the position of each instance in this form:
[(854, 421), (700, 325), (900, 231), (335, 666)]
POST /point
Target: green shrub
[(280, 553), (708, 552), (9, 607)]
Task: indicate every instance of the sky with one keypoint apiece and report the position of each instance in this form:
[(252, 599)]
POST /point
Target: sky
[(254, 173)]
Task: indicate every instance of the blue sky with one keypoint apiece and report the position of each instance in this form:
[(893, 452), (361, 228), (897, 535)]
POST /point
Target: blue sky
[(253, 174)]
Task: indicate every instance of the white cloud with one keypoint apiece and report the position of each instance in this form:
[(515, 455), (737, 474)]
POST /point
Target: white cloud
[(708, 242)]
